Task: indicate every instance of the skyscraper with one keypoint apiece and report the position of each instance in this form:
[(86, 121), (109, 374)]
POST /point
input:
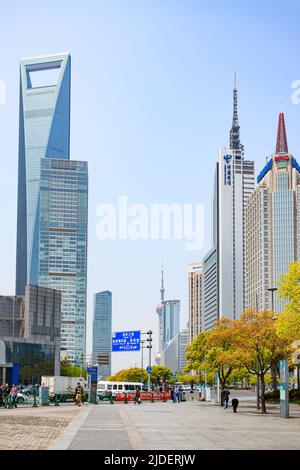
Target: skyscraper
[(195, 300), (44, 132), (234, 182), (170, 321), (210, 289), (63, 246), (272, 225), (102, 330), (52, 196)]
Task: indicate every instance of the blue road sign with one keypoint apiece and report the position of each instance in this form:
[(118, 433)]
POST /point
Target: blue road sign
[(126, 341), (93, 372), (149, 369)]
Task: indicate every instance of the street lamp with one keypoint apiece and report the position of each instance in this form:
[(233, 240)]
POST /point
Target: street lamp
[(272, 290), (273, 366)]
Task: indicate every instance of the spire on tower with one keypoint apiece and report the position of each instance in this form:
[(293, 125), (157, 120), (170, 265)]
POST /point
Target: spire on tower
[(281, 143), (162, 289), (234, 140)]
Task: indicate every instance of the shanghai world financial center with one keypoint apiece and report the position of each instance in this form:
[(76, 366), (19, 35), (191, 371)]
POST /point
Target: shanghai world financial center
[(52, 197)]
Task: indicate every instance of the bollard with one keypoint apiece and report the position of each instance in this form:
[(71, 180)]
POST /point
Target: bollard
[(10, 401), (125, 399), (164, 397), (34, 400), (152, 397)]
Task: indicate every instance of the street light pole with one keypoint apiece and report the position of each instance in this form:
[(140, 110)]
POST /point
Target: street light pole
[(273, 366)]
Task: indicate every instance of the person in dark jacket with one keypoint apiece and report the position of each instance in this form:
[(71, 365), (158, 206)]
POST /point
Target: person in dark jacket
[(225, 398), (235, 404), (137, 396)]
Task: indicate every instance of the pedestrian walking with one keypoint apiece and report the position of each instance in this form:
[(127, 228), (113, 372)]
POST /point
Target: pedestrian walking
[(235, 404), (225, 398), (176, 394), (79, 393), (172, 393), (6, 393), (137, 396), (14, 395)]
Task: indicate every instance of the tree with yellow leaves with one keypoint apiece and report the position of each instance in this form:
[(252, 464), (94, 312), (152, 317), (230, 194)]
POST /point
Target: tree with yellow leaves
[(213, 351), (257, 344), (288, 324)]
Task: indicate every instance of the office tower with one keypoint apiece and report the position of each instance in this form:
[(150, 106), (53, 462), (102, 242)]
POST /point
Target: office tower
[(102, 332), (195, 300), (174, 354), (52, 195), (170, 321), (272, 225), (44, 132), (30, 335), (234, 182), (63, 246), (210, 289)]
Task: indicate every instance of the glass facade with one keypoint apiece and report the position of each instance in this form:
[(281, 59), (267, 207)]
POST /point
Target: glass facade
[(34, 360), (63, 245), (52, 196), (44, 132), (102, 329), (170, 320), (283, 229)]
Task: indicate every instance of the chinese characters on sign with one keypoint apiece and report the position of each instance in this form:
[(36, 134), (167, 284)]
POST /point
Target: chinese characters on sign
[(126, 341), (227, 170)]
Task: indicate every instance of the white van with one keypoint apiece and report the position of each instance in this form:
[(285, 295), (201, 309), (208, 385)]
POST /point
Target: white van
[(104, 387)]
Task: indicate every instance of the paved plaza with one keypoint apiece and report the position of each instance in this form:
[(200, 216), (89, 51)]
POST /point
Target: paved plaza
[(189, 425), (28, 428), (186, 426)]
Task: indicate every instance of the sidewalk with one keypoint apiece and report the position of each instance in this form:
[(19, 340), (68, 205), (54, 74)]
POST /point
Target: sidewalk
[(28, 428), (186, 426)]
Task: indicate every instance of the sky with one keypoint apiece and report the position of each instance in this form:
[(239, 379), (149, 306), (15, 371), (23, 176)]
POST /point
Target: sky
[(151, 104)]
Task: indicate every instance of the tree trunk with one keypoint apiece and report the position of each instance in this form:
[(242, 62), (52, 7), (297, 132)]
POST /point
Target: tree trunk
[(262, 398)]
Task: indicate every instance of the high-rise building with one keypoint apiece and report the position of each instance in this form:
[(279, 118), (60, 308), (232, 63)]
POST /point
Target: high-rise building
[(174, 354), (30, 335), (272, 225), (52, 196), (170, 321), (63, 246), (44, 132), (102, 332), (195, 300), (210, 289), (234, 182)]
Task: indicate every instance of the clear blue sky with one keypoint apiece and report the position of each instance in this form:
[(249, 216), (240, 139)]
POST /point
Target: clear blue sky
[(151, 105)]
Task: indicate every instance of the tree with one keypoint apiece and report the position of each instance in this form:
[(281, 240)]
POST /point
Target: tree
[(221, 355), (196, 353), (68, 370), (288, 324), (134, 374), (159, 373), (257, 345), (213, 351)]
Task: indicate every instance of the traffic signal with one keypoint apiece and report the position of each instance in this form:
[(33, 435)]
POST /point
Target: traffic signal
[(149, 339)]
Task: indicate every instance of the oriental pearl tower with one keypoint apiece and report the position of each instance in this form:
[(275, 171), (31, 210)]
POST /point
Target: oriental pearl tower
[(159, 310)]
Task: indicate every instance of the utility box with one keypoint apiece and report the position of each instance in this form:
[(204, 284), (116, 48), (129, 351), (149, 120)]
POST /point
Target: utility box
[(44, 396)]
